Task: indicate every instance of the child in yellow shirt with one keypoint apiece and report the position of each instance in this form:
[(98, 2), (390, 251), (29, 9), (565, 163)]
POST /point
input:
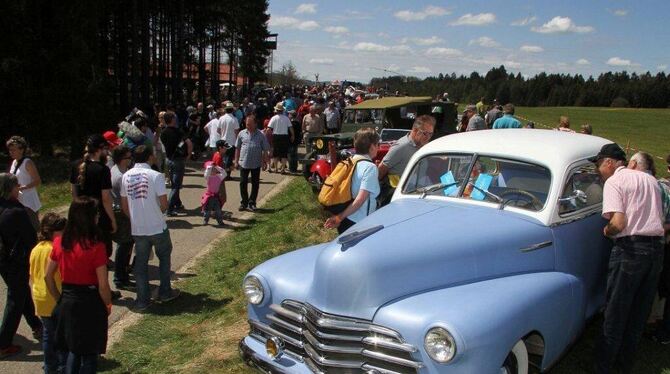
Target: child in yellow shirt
[(52, 225)]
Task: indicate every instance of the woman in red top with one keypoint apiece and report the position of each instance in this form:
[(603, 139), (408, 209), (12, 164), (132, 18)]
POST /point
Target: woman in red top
[(82, 309)]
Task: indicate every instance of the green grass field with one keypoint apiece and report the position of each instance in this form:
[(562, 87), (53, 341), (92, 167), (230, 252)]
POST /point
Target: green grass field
[(632, 129)]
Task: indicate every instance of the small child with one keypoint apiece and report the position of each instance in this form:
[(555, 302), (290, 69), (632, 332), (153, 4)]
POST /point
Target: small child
[(52, 225), (215, 194)]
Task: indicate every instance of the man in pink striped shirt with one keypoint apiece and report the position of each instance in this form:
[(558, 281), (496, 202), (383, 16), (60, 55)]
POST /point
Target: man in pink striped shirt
[(632, 204)]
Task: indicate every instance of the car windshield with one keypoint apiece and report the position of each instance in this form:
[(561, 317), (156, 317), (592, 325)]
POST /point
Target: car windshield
[(388, 135), (504, 182), (364, 115)]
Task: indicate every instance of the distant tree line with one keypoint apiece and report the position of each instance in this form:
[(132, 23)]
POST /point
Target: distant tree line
[(608, 89), (73, 68)]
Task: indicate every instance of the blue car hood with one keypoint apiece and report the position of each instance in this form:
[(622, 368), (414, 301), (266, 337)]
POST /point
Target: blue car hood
[(424, 245)]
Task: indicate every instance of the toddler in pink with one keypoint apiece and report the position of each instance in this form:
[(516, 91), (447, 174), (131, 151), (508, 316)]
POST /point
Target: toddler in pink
[(215, 196)]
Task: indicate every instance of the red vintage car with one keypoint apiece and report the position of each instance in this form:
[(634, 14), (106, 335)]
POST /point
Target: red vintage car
[(323, 165)]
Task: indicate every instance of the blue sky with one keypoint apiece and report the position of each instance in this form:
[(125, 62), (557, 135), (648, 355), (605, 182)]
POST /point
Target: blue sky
[(358, 40)]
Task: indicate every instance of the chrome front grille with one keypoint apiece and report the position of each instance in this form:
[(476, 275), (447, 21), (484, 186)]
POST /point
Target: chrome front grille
[(334, 344)]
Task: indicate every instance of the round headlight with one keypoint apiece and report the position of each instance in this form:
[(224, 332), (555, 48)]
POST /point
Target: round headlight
[(440, 345), (253, 290)]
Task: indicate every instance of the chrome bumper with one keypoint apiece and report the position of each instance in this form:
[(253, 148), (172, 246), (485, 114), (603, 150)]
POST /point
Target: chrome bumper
[(253, 354)]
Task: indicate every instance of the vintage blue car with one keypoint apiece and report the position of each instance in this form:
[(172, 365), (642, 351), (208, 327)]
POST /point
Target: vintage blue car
[(489, 259)]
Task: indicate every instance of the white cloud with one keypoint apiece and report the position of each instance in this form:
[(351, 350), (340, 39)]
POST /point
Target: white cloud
[(443, 52), (293, 23), (401, 48), (484, 41), (336, 29), (370, 47), (383, 35), (419, 70), (306, 8), (617, 61), (308, 26), (374, 47), (560, 24), (423, 41), (583, 61), (429, 11), (321, 61), (392, 68), (475, 19), (620, 12), (662, 67), (512, 64), (531, 48), (524, 22)]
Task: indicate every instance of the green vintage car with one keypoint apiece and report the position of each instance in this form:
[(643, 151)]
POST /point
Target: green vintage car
[(381, 114), (399, 113)]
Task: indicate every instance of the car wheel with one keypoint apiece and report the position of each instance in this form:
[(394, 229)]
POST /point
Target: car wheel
[(317, 183), (517, 360)]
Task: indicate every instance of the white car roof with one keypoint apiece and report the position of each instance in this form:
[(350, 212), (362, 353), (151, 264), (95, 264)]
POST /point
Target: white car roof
[(556, 150)]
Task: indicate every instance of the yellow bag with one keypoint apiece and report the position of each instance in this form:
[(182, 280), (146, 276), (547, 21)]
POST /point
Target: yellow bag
[(336, 193)]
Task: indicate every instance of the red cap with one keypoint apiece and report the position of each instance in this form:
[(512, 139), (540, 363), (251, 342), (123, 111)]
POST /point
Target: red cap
[(112, 139)]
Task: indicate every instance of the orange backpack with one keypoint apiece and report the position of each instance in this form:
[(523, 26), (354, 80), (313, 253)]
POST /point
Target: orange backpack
[(336, 193)]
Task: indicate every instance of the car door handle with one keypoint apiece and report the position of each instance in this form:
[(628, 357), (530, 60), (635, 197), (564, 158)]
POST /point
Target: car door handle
[(537, 246)]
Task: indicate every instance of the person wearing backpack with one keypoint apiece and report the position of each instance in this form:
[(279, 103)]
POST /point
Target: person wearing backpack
[(364, 182)]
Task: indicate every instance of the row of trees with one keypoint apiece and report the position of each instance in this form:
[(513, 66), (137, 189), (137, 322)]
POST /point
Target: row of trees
[(617, 89), (76, 67)]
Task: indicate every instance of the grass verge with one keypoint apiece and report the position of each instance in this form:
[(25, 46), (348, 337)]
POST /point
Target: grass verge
[(199, 331), (54, 195)]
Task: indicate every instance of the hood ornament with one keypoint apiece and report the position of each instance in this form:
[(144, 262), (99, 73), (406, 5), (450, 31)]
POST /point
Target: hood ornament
[(349, 240)]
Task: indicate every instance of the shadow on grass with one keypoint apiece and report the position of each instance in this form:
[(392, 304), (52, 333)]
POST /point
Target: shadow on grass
[(188, 303), (107, 364), (242, 221)]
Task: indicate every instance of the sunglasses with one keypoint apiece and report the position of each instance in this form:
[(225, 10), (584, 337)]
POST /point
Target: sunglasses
[(426, 133)]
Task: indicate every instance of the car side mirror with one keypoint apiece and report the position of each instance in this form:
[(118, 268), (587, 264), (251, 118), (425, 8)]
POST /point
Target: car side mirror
[(574, 197)]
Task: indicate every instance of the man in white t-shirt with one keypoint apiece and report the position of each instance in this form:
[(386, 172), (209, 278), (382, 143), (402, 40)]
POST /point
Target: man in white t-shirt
[(230, 126), (213, 129), (144, 200), (282, 136)]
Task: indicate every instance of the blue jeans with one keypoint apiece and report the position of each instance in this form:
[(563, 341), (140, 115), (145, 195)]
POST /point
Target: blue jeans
[(81, 364), (121, 262), (213, 205), (163, 247), (54, 361), (176, 168), (634, 269)]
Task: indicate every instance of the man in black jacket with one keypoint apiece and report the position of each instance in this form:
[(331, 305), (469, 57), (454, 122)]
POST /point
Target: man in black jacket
[(18, 238)]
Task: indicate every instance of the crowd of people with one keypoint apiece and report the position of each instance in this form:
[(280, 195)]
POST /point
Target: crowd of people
[(56, 268)]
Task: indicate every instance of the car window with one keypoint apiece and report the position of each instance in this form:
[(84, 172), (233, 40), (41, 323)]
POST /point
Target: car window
[(449, 170), (500, 181), (583, 189)]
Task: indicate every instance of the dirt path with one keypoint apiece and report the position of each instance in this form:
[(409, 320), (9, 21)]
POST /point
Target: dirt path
[(189, 238)]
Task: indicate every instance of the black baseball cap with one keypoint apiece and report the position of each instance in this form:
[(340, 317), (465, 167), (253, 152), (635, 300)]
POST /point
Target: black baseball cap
[(96, 141), (612, 151)]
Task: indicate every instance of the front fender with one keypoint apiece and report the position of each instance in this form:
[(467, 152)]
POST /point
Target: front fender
[(487, 318), (286, 277), (322, 167)]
